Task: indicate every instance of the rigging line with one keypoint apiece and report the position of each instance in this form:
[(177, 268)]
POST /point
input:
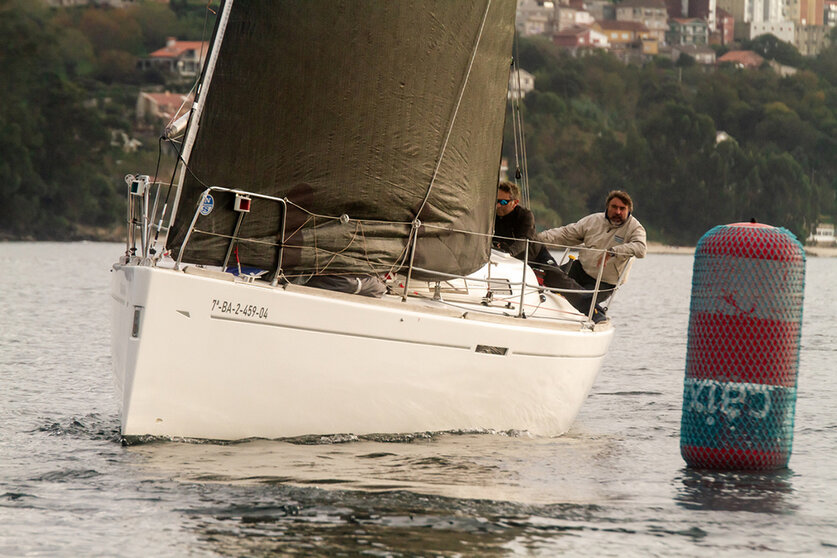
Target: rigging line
[(299, 228), (173, 175), (335, 254), (370, 264), (159, 158), (192, 90), (400, 260), (517, 117), (456, 109), (196, 111), (365, 247), (157, 172), (514, 106), (397, 263), (454, 230), (239, 239), (186, 166), (331, 254), (322, 216), (516, 138), (525, 171)]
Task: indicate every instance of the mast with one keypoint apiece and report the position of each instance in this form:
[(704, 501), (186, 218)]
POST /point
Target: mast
[(198, 105)]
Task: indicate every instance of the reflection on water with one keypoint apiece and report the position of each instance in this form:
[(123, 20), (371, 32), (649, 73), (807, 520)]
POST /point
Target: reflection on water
[(432, 494), (513, 467), (270, 520), (758, 492)]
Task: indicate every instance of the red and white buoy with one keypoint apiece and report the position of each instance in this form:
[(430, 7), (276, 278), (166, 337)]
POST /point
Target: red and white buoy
[(743, 348)]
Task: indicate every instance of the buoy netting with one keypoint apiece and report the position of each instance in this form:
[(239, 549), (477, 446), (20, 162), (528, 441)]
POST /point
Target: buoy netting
[(742, 354)]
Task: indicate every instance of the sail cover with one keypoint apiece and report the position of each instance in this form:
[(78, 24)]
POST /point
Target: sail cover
[(379, 112)]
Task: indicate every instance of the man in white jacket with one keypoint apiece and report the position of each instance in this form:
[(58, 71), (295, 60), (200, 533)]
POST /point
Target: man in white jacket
[(614, 235)]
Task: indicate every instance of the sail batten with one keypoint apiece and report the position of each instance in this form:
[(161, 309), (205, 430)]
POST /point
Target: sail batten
[(353, 108)]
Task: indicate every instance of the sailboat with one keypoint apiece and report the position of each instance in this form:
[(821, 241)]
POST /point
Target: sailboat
[(322, 261)]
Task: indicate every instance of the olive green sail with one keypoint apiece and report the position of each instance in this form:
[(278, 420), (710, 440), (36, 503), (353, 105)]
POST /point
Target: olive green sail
[(388, 113)]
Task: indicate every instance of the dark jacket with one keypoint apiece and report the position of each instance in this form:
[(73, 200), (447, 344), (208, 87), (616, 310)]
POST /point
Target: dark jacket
[(511, 232)]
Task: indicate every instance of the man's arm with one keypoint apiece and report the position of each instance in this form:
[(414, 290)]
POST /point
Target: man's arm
[(568, 235), (635, 244)]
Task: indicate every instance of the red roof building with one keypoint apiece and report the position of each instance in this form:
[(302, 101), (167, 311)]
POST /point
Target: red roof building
[(162, 106), (183, 58), (742, 59), (580, 37)]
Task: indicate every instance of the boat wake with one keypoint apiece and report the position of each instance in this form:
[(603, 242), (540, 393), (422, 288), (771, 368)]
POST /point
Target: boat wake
[(92, 426), (323, 439)]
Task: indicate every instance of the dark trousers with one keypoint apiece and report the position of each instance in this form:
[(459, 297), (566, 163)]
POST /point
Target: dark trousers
[(573, 277)]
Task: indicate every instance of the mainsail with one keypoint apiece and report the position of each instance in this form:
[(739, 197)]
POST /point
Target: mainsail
[(390, 113)]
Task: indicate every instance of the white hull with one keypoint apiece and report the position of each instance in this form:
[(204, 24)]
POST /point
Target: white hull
[(217, 359)]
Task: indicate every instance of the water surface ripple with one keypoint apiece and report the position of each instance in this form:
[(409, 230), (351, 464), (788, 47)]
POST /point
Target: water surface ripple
[(615, 485)]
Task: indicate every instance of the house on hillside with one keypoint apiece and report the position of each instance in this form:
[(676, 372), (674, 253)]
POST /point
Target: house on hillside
[(742, 59), (601, 9), (724, 32), (520, 83), (567, 17), (701, 53), (829, 18), (580, 37), (535, 17), (812, 39), (181, 58), (687, 31), (161, 108), (623, 33), (653, 14)]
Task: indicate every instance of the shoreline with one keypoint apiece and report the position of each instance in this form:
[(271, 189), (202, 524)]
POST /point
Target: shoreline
[(111, 235), (810, 251)]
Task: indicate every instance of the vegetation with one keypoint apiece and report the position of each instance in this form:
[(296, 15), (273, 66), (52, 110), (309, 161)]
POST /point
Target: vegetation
[(593, 124), (69, 94)]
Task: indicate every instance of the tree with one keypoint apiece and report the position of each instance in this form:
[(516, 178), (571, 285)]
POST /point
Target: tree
[(50, 139), (772, 48), (652, 132)]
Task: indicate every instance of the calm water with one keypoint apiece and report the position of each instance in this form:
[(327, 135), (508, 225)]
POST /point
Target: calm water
[(615, 485)]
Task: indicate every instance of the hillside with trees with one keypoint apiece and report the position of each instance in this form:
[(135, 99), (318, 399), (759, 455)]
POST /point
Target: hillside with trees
[(70, 86), (594, 124), (68, 97)]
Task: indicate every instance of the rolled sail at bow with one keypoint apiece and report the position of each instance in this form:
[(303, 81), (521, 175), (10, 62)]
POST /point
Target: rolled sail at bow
[(390, 113)]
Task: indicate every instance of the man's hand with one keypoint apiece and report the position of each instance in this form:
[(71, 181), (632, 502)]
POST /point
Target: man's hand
[(605, 257)]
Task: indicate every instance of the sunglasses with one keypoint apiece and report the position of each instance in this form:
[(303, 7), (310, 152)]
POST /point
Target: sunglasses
[(504, 202)]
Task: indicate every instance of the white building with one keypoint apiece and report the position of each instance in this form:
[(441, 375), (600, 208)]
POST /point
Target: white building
[(535, 17), (758, 17), (520, 83), (823, 235), (784, 30), (566, 18)]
